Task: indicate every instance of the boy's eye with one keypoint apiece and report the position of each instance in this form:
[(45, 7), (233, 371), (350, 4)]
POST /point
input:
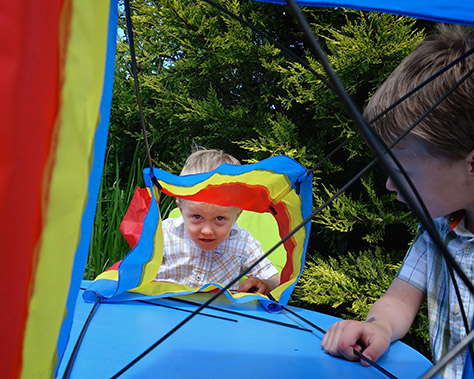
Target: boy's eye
[(196, 217), (220, 218)]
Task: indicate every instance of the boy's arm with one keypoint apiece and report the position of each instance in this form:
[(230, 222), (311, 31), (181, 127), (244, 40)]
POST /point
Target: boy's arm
[(388, 320), (272, 282)]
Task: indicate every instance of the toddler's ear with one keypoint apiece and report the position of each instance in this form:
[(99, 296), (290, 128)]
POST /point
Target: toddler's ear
[(239, 212)]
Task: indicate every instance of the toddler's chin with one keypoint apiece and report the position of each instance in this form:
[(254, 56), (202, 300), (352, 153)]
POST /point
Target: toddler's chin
[(206, 246)]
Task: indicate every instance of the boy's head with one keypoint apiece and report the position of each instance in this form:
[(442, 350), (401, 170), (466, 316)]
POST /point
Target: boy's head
[(449, 128), (438, 154), (208, 225), (203, 160)]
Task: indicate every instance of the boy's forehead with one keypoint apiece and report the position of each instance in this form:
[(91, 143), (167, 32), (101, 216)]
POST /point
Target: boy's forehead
[(196, 206), (412, 142)]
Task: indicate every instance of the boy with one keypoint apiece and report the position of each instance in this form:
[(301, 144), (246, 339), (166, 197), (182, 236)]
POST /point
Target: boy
[(205, 246), (438, 156)]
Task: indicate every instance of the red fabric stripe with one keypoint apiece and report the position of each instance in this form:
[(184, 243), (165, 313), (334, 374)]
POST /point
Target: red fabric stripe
[(29, 92), (284, 225), (115, 266), (132, 223), (253, 198)]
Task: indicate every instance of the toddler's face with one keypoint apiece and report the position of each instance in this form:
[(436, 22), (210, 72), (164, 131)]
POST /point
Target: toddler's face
[(440, 183), (207, 225)]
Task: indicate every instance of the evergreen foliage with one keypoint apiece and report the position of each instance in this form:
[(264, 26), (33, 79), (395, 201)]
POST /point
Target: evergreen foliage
[(207, 79)]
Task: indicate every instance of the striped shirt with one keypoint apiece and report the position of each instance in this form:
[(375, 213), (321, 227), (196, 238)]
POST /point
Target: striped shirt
[(425, 268), (183, 262)]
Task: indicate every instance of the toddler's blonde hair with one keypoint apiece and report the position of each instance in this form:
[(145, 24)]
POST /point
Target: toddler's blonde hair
[(204, 160)]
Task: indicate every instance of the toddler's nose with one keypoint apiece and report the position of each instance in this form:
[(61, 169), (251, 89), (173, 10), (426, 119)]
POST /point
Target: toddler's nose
[(206, 229)]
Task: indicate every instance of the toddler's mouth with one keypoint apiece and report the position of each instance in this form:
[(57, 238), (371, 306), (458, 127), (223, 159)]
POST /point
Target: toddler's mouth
[(206, 240)]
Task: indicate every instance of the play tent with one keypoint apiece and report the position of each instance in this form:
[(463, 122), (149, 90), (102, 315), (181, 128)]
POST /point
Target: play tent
[(57, 61)]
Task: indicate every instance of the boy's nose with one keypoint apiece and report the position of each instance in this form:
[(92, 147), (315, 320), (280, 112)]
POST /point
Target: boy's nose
[(390, 185), (206, 229)]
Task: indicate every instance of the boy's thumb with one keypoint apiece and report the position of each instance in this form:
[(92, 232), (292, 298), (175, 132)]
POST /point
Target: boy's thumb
[(365, 359), (373, 352)]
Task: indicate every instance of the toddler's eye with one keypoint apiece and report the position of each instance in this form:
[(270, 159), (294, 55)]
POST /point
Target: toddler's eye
[(196, 217), (220, 218)]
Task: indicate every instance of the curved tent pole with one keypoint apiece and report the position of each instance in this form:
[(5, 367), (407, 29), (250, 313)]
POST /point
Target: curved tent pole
[(349, 104), (297, 59), (135, 80), (243, 273)]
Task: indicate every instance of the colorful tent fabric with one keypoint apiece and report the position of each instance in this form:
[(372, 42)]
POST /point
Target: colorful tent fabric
[(57, 69), (454, 12), (278, 185), (57, 63), (261, 226)]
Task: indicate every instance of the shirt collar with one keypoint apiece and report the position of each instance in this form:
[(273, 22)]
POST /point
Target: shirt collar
[(178, 221), (456, 221)]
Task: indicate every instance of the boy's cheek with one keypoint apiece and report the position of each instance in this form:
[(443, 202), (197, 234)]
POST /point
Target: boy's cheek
[(190, 229)]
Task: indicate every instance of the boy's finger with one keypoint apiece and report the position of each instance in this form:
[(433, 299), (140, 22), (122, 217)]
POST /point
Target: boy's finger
[(374, 351), (340, 340)]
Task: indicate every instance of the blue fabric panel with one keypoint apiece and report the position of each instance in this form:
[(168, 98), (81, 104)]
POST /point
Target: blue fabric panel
[(216, 344), (454, 12)]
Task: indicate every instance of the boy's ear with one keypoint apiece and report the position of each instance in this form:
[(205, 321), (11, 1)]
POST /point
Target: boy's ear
[(239, 212), (179, 206), (470, 164)]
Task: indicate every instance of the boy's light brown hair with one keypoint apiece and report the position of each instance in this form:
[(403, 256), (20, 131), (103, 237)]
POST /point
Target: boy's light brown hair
[(204, 160), (449, 128)]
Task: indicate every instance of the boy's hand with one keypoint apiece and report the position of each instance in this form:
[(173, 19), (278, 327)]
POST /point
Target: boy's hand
[(344, 337), (389, 319), (254, 284)]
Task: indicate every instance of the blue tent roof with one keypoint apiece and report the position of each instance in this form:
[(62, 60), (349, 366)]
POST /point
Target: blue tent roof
[(454, 12)]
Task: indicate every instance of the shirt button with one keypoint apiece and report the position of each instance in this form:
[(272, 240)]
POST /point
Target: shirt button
[(468, 250), (456, 309)]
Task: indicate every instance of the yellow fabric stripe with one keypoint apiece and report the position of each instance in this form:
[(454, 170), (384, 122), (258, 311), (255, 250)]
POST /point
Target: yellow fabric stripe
[(293, 204), (166, 288), (111, 275), (252, 178), (77, 122), (151, 267), (162, 288)]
